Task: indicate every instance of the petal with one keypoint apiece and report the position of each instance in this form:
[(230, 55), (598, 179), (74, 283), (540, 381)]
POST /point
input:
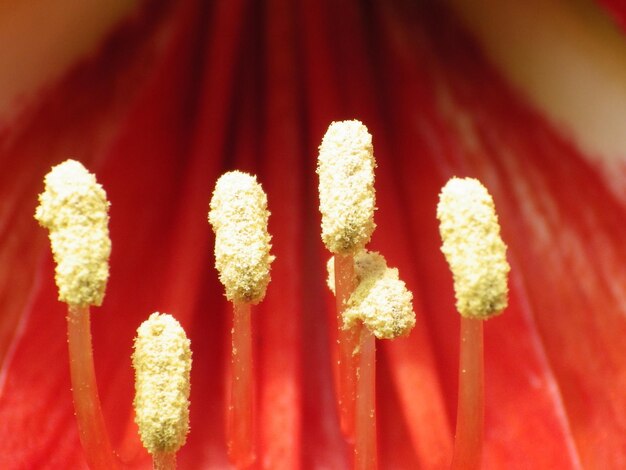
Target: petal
[(184, 92)]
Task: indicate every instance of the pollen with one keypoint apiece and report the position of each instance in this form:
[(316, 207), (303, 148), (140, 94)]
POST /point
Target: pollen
[(381, 301), (74, 209), (346, 187), (473, 247), (162, 363), (239, 216)]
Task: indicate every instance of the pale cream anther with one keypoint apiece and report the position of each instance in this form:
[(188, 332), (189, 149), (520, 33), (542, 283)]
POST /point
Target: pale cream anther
[(239, 218), (162, 363), (74, 208), (346, 187), (473, 247), (381, 300)]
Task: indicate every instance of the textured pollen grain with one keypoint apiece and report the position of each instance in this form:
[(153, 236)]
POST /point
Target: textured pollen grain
[(74, 209), (239, 216), (346, 187), (473, 247), (162, 363), (381, 300)]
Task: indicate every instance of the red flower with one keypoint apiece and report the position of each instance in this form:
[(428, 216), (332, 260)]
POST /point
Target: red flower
[(183, 92)]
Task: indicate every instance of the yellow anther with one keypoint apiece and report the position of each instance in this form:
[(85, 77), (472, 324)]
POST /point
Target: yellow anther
[(381, 300), (346, 187), (473, 248), (162, 363), (74, 208), (239, 219)]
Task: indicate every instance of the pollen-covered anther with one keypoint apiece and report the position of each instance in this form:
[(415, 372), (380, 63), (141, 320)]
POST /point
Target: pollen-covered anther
[(74, 208), (473, 247), (346, 187), (239, 218), (162, 363), (381, 300)]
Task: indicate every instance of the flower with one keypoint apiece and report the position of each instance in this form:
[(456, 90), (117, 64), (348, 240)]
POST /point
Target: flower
[(180, 93)]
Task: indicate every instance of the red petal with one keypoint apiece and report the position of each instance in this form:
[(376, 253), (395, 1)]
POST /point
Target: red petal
[(254, 86)]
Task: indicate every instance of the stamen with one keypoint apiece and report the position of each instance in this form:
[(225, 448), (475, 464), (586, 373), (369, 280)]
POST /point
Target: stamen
[(346, 188), (162, 363), (381, 300), (239, 218), (74, 208), (477, 257), (473, 248), (380, 307), (347, 202)]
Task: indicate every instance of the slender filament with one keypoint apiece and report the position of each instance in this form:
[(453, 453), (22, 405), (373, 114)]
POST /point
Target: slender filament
[(468, 440), (240, 412), (345, 282), (365, 451), (91, 427), (164, 461)]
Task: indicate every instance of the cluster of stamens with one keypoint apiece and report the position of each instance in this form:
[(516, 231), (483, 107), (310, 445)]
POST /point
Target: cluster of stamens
[(372, 301)]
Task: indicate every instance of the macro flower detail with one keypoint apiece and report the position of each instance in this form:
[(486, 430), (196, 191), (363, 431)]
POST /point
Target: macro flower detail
[(158, 99)]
